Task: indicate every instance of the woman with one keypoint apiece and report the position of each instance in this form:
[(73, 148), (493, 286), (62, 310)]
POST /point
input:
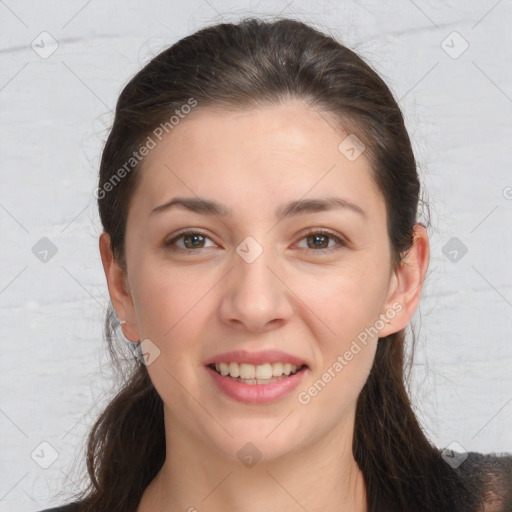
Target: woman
[(259, 195)]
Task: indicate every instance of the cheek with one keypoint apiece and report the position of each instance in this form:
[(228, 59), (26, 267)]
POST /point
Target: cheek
[(169, 305), (349, 306), (350, 310), (346, 301), (174, 309), (334, 392), (165, 300)]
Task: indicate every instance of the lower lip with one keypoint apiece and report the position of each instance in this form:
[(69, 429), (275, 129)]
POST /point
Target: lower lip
[(256, 393)]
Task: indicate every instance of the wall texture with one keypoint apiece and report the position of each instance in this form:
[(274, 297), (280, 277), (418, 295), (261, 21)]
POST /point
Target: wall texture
[(63, 65)]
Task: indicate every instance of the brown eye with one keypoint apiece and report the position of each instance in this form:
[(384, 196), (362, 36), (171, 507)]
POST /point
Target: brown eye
[(320, 241), (194, 241), (188, 240)]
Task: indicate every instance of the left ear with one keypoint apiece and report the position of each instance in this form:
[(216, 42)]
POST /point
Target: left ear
[(406, 284)]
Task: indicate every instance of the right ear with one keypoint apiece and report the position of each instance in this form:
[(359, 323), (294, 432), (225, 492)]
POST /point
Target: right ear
[(118, 289)]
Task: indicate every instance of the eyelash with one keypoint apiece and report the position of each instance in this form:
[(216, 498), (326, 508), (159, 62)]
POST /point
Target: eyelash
[(312, 231)]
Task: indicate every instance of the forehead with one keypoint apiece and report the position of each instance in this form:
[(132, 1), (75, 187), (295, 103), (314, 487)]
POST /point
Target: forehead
[(256, 158)]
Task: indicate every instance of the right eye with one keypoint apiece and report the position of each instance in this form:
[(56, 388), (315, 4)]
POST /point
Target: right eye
[(192, 241)]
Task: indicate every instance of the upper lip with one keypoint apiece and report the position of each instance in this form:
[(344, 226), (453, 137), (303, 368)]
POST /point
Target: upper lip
[(260, 357)]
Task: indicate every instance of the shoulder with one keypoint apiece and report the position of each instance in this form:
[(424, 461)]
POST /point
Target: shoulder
[(490, 477), (494, 470), (70, 507)]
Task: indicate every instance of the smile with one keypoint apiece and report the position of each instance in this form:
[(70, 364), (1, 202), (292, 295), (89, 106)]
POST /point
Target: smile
[(260, 377), (254, 374)]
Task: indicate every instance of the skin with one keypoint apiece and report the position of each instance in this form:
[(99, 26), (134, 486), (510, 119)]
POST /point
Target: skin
[(291, 298)]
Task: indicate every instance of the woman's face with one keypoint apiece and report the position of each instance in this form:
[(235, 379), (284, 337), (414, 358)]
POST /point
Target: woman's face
[(293, 266)]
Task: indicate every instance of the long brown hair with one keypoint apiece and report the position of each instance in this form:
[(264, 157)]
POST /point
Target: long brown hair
[(241, 66)]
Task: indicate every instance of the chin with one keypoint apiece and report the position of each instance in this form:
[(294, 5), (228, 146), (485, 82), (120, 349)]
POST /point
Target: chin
[(258, 440)]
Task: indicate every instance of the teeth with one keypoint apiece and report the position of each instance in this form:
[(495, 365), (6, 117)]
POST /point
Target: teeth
[(247, 371), (277, 368), (261, 372), (234, 370), (264, 371), (224, 369)]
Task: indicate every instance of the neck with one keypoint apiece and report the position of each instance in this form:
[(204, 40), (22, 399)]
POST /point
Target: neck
[(195, 477)]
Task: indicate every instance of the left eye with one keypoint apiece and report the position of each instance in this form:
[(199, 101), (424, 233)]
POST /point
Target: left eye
[(319, 241)]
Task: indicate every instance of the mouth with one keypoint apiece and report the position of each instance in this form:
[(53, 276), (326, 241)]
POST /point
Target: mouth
[(257, 378), (257, 374)]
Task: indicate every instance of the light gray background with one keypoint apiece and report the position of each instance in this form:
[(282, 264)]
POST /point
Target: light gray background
[(55, 114)]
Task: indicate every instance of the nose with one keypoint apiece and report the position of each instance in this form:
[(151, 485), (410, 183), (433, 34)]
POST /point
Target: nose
[(255, 297)]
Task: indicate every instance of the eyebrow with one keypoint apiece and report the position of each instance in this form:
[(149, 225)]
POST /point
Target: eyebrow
[(301, 206)]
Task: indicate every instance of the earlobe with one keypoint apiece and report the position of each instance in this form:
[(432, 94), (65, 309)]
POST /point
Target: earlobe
[(406, 284), (119, 293)]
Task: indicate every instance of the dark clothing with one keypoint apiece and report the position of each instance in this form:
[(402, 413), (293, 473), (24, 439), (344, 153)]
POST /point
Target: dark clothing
[(492, 477), (72, 507), (489, 475)]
